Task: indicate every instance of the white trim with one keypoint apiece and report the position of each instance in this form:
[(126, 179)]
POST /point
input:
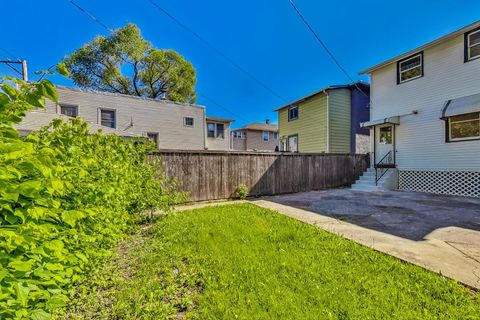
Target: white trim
[(450, 122), (263, 136), (471, 46), (400, 71), (188, 125)]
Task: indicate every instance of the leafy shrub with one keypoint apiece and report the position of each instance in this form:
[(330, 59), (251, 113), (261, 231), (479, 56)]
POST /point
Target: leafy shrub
[(66, 197), (242, 191)]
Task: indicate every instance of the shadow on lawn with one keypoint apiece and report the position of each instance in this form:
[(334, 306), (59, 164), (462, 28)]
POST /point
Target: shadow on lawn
[(408, 215)]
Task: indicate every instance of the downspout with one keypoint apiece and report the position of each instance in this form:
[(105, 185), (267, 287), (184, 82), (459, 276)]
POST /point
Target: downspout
[(204, 129), (328, 120)]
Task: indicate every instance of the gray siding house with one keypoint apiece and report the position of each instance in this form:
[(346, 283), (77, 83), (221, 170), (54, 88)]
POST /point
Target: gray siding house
[(172, 125), (262, 137)]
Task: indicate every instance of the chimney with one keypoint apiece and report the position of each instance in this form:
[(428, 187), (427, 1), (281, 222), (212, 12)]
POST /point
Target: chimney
[(267, 121)]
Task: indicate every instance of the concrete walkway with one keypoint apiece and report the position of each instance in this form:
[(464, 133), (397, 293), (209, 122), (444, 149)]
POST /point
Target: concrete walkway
[(450, 249)]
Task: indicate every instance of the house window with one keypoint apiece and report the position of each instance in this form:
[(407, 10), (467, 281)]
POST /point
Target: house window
[(107, 118), (216, 130), (69, 111), (220, 134), (239, 134), (410, 68), (211, 130), (266, 135), (188, 122), (153, 136), (275, 136), (292, 113), (464, 127), (472, 45)]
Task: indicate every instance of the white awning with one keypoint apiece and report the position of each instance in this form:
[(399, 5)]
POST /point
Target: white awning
[(461, 105), (372, 123)]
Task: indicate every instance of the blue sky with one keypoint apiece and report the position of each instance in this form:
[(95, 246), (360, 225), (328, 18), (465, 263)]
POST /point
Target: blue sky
[(265, 37)]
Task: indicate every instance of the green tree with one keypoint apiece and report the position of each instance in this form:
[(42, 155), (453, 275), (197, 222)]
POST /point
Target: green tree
[(124, 62)]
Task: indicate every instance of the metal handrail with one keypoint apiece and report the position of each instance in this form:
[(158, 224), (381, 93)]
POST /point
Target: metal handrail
[(384, 170)]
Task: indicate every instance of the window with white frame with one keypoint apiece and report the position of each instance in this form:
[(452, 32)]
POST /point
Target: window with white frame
[(69, 110), (464, 127), (107, 118), (266, 135), (410, 68), (472, 45), (188, 121), (293, 113), (239, 134)]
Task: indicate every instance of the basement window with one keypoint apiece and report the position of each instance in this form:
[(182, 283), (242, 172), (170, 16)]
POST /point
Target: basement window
[(464, 127), (410, 68), (472, 45)]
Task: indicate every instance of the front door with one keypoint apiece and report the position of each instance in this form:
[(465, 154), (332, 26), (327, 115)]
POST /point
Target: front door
[(384, 144)]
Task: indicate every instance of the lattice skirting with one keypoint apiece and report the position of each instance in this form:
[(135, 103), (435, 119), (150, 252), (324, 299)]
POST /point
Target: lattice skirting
[(461, 183)]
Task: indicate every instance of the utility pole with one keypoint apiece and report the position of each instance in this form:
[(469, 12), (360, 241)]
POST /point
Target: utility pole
[(23, 63)]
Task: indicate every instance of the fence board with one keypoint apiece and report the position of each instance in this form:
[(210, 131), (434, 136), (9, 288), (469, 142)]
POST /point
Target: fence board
[(209, 175)]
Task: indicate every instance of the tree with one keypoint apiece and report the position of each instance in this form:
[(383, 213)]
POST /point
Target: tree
[(124, 62)]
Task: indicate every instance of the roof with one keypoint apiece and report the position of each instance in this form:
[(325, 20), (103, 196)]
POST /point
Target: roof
[(324, 90), (112, 94), (219, 119), (259, 127), (35, 120), (425, 46)]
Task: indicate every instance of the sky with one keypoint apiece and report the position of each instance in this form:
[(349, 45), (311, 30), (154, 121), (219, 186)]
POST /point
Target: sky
[(264, 37)]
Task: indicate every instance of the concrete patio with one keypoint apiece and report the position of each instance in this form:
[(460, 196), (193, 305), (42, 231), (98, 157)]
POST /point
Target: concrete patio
[(440, 233)]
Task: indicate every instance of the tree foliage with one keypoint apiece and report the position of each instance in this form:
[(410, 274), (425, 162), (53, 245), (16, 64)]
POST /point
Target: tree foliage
[(66, 197), (126, 63)]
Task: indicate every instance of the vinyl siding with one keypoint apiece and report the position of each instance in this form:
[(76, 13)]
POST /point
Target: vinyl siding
[(420, 138), (218, 143), (140, 116), (255, 141), (311, 125), (339, 113)]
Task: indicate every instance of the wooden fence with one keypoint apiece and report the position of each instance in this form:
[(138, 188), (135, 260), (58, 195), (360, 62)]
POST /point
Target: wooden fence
[(209, 175)]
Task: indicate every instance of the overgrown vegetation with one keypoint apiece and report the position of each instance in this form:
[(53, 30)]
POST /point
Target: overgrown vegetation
[(66, 197), (245, 262)]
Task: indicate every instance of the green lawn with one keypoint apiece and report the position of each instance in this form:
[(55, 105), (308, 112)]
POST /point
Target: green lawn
[(245, 262)]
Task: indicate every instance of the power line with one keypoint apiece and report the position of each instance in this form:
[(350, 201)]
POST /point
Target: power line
[(91, 16), (221, 106), (220, 53), (332, 56), (95, 19)]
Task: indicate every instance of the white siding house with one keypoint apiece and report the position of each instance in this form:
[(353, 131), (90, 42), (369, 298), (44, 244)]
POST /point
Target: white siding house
[(172, 125), (425, 111)]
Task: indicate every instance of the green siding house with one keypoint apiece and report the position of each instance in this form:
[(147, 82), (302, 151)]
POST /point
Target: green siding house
[(327, 120)]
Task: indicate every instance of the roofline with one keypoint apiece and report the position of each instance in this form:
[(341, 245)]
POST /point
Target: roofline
[(219, 119), (324, 90), (246, 129), (106, 93), (423, 47)]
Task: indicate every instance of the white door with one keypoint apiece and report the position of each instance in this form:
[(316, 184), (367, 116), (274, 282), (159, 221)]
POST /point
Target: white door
[(293, 143), (384, 143)]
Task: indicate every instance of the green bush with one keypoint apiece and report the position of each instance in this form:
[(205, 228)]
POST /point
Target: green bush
[(66, 197), (242, 191)]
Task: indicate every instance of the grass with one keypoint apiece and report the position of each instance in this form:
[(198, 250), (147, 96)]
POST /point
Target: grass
[(245, 262)]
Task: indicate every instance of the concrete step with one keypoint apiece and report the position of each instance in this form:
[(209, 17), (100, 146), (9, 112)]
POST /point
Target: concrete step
[(365, 188)]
